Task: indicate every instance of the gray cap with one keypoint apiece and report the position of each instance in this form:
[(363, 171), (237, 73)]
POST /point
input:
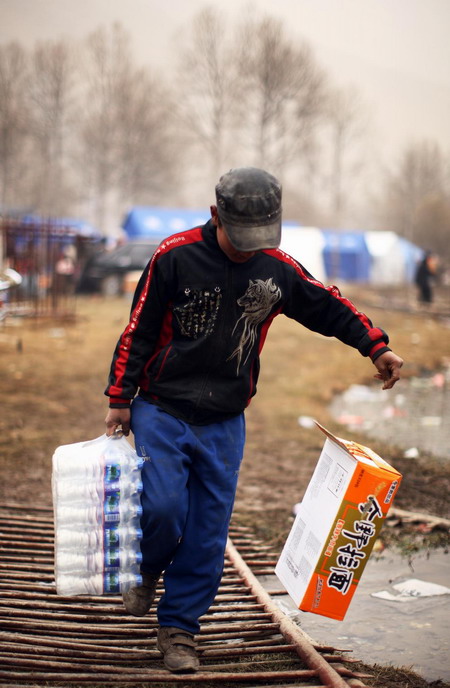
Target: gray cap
[(249, 208)]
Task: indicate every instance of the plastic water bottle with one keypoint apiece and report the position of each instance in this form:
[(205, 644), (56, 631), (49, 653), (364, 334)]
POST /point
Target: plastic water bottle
[(99, 561), (112, 511), (95, 460), (98, 584), (118, 509), (105, 467), (92, 490), (87, 469), (107, 536), (97, 490), (121, 536)]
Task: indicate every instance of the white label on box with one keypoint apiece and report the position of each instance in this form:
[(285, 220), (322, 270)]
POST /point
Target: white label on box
[(297, 533), (320, 475), (338, 480)]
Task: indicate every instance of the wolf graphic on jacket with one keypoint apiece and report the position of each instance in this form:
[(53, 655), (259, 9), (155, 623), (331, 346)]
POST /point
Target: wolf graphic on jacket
[(257, 302)]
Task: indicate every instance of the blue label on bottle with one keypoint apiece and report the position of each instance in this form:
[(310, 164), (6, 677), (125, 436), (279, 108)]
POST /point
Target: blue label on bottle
[(112, 472), (111, 503), (111, 582), (112, 559), (111, 536)]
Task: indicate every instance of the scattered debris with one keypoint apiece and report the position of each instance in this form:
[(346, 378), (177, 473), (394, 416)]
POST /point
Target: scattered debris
[(431, 421), (411, 453), (412, 589)]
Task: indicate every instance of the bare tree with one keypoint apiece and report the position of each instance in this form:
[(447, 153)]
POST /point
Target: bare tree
[(247, 95), (13, 119), (51, 94), (282, 96), (108, 61), (346, 123), (146, 146), (205, 87), (127, 152), (432, 224), (418, 191)]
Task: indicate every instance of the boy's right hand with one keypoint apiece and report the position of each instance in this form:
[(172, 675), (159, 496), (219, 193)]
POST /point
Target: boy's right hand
[(117, 417)]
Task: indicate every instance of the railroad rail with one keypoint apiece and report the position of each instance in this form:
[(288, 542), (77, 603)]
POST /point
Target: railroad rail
[(55, 641)]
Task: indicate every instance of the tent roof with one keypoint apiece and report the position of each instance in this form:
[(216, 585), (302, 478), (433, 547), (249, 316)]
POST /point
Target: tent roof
[(159, 223), (345, 241)]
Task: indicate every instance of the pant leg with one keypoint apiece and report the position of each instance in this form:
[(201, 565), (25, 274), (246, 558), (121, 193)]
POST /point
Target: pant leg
[(190, 476), (164, 443), (192, 578)]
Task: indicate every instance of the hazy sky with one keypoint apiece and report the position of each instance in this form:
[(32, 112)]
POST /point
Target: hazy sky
[(397, 52)]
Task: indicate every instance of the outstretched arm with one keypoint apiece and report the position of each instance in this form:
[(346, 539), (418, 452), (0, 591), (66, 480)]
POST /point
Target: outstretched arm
[(388, 366)]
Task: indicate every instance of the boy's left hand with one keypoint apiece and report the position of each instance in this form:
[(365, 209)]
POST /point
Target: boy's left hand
[(388, 366)]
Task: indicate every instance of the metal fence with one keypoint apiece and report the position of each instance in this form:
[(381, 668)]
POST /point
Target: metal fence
[(46, 256)]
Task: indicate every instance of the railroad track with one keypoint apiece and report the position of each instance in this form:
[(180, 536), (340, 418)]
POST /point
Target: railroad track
[(54, 641)]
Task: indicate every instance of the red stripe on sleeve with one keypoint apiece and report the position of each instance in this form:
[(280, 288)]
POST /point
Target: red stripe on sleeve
[(377, 347), (181, 239), (334, 291), (265, 329)]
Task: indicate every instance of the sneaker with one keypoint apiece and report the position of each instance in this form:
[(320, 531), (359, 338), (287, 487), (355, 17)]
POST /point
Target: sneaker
[(138, 600), (178, 648)]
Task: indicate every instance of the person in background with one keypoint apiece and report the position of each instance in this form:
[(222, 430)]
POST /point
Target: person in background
[(65, 271), (183, 372), (425, 274)]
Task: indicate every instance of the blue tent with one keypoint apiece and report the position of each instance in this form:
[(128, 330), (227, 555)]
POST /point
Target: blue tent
[(158, 223), (346, 256)]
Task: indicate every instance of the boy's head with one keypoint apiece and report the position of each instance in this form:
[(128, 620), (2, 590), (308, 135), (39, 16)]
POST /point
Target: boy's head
[(249, 208)]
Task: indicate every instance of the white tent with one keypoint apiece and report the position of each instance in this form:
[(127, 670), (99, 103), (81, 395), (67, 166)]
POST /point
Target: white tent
[(393, 259), (387, 258), (306, 245)]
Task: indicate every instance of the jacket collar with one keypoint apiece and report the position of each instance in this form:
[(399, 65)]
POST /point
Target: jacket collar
[(209, 232)]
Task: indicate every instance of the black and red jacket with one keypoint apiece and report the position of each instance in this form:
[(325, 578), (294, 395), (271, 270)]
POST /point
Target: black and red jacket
[(199, 321)]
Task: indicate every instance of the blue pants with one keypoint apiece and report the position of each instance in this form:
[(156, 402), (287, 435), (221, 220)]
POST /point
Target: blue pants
[(190, 476)]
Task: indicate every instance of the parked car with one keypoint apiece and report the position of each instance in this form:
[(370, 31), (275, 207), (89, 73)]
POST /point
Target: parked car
[(111, 272)]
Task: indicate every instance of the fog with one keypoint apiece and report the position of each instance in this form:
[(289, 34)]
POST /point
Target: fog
[(397, 53)]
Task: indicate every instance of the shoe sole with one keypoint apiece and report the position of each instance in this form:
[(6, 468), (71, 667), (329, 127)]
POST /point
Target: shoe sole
[(176, 670), (187, 670)]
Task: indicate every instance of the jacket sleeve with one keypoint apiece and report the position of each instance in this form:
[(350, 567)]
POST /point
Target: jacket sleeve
[(137, 342), (324, 310)]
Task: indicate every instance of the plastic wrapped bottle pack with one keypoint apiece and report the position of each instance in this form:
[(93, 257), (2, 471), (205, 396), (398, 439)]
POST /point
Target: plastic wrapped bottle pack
[(97, 488)]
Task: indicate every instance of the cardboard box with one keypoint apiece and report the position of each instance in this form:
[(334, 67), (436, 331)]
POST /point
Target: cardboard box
[(338, 521)]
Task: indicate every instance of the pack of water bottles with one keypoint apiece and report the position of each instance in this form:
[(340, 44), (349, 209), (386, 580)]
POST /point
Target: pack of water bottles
[(97, 489)]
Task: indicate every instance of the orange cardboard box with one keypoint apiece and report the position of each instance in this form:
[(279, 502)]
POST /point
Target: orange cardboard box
[(338, 521)]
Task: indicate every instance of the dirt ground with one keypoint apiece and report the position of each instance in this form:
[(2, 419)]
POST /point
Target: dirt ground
[(54, 373)]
